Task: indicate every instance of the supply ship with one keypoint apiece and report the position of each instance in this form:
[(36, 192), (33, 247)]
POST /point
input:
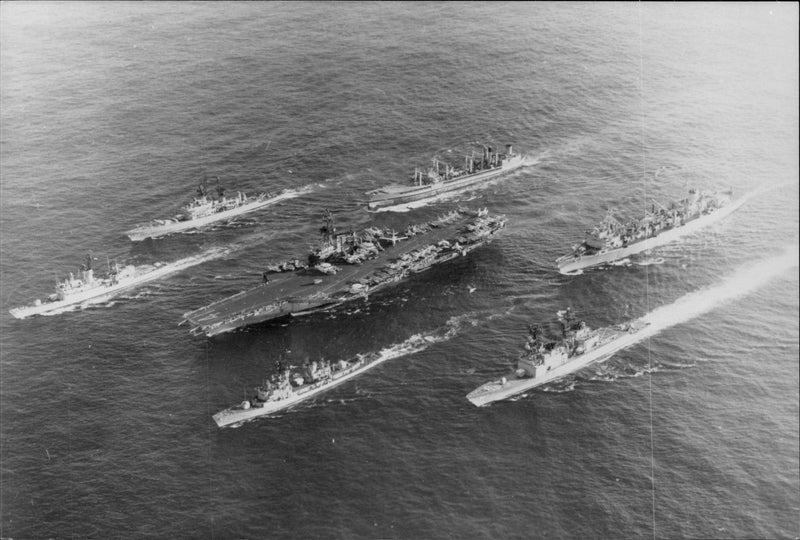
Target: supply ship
[(286, 387), (612, 240), (347, 266), (544, 362), (443, 178), (86, 288), (205, 209)]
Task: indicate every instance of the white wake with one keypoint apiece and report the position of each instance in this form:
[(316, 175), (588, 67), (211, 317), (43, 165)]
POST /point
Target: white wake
[(746, 280)]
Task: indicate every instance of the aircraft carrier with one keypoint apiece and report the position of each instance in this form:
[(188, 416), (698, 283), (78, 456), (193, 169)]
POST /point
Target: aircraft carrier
[(347, 266)]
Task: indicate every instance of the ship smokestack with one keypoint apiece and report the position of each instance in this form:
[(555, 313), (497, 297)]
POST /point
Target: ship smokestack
[(509, 150)]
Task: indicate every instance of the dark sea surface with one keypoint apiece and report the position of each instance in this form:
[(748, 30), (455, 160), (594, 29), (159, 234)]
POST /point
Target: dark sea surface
[(112, 112)]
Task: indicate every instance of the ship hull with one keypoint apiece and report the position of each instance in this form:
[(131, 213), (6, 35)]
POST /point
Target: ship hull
[(571, 263), (237, 415), (211, 326), (402, 198), (499, 389), (157, 231), (301, 292), (103, 293)]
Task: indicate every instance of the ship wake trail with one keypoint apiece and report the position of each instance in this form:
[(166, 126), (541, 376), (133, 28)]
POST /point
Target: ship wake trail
[(530, 161), (746, 280), (423, 340), (193, 260)]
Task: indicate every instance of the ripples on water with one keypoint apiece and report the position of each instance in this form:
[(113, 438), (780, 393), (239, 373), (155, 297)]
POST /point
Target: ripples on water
[(110, 116)]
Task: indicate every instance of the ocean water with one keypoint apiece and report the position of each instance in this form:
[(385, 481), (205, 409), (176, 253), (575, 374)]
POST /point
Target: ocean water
[(112, 112)]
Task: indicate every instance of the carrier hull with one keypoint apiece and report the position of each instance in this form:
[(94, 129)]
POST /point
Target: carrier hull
[(304, 291)]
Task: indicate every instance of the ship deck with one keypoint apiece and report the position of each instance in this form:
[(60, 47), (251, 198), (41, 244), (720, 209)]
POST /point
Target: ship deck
[(300, 284), (571, 263), (395, 193)]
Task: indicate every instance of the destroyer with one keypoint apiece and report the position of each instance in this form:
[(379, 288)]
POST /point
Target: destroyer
[(286, 388), (442, 178), (347, 266), (204, 210), (543, 362), (612, 240), (85, 288)]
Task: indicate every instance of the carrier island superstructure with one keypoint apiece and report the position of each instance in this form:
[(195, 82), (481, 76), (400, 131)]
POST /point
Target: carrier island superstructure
[(347, 266)]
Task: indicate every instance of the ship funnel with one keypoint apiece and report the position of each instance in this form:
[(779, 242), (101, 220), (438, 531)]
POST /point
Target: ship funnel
[(509, 150)]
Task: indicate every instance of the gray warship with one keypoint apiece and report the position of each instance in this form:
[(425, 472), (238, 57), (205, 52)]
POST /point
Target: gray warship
[(347, 266)]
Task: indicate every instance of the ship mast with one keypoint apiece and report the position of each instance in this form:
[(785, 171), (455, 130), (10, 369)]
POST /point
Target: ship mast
[(566, 318), (659, 205), (201, 187), (327, 230)]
